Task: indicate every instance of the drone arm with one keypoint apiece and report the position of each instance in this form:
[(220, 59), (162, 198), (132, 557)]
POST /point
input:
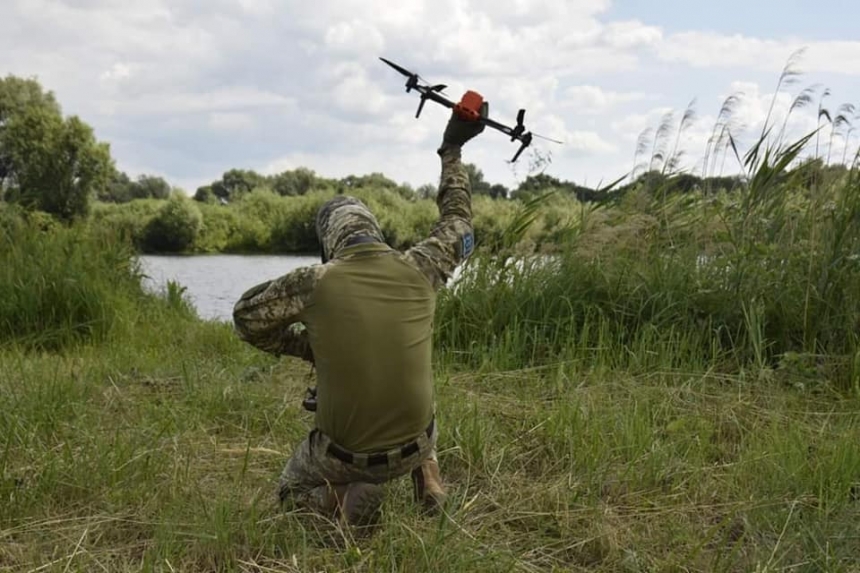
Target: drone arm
[(427, 93), (526, 141), (498, 126), (439, 99)]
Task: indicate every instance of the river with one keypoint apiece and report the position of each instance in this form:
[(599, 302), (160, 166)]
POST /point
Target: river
[(215, 282)]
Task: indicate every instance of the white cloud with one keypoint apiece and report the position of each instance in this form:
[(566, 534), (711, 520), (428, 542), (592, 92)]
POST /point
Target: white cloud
[(230, 121), (593, 99), (353, 91), (530, 12), (174, 83), (219, 99), (259, 7), (116, 73), (631, 34), (709, 49), (631, 125), (588, 142), (355, 36)]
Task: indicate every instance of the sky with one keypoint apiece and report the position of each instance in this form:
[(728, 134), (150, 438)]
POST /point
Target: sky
[(188, 89)]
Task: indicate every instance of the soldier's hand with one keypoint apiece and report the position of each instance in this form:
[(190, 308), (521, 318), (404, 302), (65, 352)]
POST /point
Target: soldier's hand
[(459, 131)]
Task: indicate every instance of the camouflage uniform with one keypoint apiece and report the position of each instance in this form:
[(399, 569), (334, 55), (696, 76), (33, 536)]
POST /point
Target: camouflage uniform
[(311, 469), (367, 313)]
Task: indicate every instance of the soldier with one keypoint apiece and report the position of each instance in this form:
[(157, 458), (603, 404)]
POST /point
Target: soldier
[(364, 317)]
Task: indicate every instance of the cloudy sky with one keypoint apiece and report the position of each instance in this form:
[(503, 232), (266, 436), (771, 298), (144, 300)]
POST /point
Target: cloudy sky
[(190, 88)]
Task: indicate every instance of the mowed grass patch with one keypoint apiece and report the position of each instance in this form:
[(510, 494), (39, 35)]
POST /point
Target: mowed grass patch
[(164, 455)]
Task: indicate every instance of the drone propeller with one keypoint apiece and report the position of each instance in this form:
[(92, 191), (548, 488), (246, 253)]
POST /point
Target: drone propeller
[(518, 130), (403, 71), (424, 96)]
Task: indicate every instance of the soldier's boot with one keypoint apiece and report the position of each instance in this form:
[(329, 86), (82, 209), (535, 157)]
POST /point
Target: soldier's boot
[(357, 503), (427, 482)]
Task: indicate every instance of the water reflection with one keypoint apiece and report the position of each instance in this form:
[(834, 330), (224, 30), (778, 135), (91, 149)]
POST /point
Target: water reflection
[(215, 282)]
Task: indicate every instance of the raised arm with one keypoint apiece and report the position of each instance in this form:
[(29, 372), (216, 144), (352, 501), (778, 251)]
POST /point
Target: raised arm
[(452, 239), (268, 315)]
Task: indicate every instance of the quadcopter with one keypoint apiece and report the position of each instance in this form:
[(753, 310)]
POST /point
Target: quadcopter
[(468, 108)]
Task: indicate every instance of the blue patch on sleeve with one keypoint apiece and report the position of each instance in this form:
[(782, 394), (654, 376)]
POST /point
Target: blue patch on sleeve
[(468, 244)]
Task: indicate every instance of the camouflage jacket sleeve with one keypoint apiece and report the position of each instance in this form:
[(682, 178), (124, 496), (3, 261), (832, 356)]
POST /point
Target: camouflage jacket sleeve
[(452, 239), (268, 315)]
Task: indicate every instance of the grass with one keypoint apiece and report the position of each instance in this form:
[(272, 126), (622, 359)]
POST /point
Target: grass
[(568, 443), (765, 277), (162, 454), (60, 285), (676, 388)]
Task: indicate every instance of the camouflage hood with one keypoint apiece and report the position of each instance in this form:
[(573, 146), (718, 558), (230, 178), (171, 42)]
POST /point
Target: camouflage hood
[(342, 220)]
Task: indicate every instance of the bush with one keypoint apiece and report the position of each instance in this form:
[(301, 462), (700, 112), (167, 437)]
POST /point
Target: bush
[(174, 228), (295, 229), (129, 220), (61, 285)]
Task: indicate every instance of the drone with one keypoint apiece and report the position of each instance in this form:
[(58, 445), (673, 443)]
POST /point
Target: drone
[(468, 108)]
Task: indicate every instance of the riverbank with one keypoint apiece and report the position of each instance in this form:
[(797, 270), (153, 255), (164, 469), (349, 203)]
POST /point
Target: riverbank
[(627, 405), (160, 452)]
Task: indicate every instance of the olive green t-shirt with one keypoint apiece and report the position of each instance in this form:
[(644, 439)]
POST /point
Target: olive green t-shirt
[(367, 316), (370, 324)]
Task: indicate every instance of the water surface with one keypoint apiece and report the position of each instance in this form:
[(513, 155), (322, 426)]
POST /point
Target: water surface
[(215, 282)]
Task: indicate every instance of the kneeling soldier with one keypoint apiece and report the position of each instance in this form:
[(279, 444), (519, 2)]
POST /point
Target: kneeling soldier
[(367, 313)]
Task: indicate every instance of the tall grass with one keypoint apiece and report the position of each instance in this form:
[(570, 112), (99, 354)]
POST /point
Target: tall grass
[(61, 285), (733, 281), (64, 285)]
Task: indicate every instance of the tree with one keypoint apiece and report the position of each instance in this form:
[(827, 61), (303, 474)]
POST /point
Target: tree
[(121, 189), (375, 181), (426, 191), (205, 194), (476, 179), (536, 184), (232, 184), (499, 191), (55, 165), (118, 188), (16, 96), (238, 181), (150, 186), (292, 183), (175, 227)]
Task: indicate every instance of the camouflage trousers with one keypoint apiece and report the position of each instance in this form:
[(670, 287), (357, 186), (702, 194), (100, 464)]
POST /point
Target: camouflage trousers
[(312, 469)]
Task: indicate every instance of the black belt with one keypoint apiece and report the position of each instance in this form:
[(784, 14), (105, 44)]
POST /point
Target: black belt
[(379, 458)]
